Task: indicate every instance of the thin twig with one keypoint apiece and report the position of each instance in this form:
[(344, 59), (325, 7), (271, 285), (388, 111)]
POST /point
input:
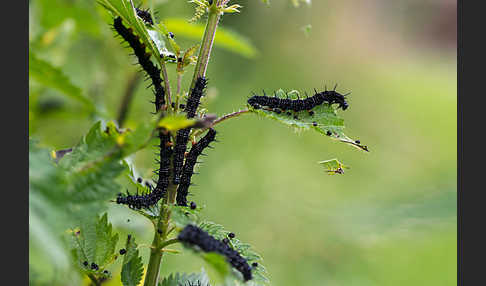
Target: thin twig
[(221, 119), (127, 98)]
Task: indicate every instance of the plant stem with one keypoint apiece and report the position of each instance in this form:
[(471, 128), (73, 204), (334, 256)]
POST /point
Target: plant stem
[(94, 280), (166, 82), (159, 240), (164, 215), (221, 119), (169, 242), (207, 44), (127, 98)]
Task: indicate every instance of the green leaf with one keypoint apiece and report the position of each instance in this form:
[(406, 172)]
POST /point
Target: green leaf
[(94, 242), (178, 279), (225, 38), (151, 37), (333, 166), (307, 29), (324, 120), (132, 269), (244, 249), (175, 122), (52, 77), (217, 262), (182, 216), (79, 184)]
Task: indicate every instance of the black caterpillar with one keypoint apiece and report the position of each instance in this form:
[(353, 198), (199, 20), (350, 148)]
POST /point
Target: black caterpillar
[(147, 200), (193, 235), (140, 201), (145, 16), (163, 172), (188, 169), (143, 59), (329, 96), (183, 135)]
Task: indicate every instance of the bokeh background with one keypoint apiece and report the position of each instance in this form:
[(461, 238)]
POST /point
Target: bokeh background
[(389, 220)]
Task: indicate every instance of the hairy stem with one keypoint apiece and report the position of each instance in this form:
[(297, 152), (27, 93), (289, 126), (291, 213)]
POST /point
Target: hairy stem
[(166, 82), (207, 44), (160, 238)]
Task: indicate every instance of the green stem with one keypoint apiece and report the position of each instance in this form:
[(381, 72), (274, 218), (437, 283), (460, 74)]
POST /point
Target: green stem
[(207, 43), (159, 241), (94, 280), (169, 242), (161, 231), (219, 120)]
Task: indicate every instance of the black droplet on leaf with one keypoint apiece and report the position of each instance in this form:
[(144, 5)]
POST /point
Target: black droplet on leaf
[(193, 206), (123, 251), (139, 180), (254, 264), (314, 123), (231, 235), (328, 133), (357, 142), (171, 35), (85, 263)]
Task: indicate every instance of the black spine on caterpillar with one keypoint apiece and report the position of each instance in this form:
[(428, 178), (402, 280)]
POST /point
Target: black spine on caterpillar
[(183, 135), (143, 60), (329, 96), (193, 235), (188, 169)]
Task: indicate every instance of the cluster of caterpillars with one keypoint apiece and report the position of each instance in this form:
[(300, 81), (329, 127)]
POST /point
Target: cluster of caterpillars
[(183, 163)]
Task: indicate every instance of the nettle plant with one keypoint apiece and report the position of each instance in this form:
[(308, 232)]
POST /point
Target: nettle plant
[(184, 131)]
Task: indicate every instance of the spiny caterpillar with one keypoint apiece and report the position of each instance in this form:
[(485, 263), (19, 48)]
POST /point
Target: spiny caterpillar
[(145, 16), (329, 96), (152, 198), (188, 169), (141, 201), (193, 235), (143, 59), (183, 135)]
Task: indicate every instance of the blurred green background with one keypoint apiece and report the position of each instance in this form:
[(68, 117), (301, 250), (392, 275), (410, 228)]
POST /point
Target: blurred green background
[(389, 220)]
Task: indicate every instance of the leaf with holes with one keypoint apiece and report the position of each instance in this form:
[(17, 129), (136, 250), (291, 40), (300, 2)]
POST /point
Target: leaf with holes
[(324, 119), (244, 249)]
